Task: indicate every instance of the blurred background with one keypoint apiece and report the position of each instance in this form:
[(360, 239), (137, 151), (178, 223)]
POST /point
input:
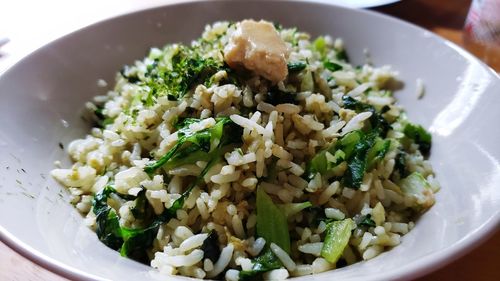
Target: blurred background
[(475, 25)]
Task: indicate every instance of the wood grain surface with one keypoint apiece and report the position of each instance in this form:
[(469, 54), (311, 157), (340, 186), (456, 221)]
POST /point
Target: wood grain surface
[(446, 18)]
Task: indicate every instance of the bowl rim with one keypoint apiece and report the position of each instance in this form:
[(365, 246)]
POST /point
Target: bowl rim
[(415, 269)]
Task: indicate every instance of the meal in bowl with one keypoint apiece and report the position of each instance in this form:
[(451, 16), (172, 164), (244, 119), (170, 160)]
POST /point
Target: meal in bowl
[(255, 152)]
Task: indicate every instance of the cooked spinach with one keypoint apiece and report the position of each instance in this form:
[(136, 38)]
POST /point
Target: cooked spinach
[(342, 55), (332, 66), (276, 96), (360, 150), (420, 136), (266, 261), (210, 246), (135, 242), (357, 165), (107, 222), (296, 66), (377, 152), (400, 164), (201, 145), (377, 121), (271, 222), (365, 220), (290, 209)]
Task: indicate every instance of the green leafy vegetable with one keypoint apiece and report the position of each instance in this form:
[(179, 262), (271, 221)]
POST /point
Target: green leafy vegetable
[(332, 66), (275, 97), (140, 211), (290, 209), (420, 136), (296, 66), (201, 145), (210, 246), (357, 164), (187, 68), (320, 45), (342, 55), (107, 222), (377, 121), (135, 242), (365, 221), (271, 222), (416, 186), (337, 237), (353, 148), (377, 152), (322, 162), (266, 261), (400, 164)]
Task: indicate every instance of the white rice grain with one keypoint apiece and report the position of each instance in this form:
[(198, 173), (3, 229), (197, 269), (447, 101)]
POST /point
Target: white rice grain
[(276, 274), (181, 260), (320, 265), (222, 262), (333, 213), (193, 242), (311, 248), (232, 275), (285, 259), (257, 246), (356, 123)]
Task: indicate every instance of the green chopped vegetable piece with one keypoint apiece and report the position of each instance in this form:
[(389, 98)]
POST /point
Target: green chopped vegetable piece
[(416, 185), (366, 221), (377, 152), (194, 146), (296, 66), (210, 246), (266, 261), (420, 136), (290, 209), (400, 164), (341, 151), (271, 222), (320, 45), (342, 55), (357, 164), (349, 141), (332, 66), (185, 68), (134, 242), (377, 121), (107, 223), (337, 237), (275, 96)]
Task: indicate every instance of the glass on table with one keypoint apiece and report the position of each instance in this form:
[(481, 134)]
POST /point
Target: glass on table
[(481, 34)]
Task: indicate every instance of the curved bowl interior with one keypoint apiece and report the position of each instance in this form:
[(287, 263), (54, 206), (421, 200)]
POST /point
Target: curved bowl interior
[(43, 95)]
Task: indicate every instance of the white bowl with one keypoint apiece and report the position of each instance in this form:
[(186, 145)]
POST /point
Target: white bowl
[(42, 97)]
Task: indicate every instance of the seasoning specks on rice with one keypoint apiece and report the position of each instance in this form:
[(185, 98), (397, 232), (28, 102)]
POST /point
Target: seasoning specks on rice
[(254, 152)]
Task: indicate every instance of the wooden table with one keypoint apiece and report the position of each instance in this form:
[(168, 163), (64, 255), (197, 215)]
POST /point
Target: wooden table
[(445, 18)]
